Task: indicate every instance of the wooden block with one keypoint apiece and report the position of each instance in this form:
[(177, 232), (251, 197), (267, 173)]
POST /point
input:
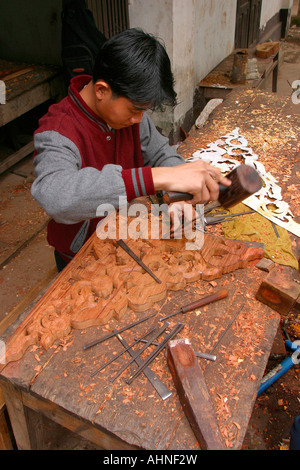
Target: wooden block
[(267, 49), (265, 265), (194, 395), (280, 293)]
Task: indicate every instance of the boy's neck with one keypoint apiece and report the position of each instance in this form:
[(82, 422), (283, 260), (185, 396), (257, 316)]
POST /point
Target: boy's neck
[(88, 96)]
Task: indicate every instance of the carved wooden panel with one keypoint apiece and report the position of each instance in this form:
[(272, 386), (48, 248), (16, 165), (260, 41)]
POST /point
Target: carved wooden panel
[(103, 281)]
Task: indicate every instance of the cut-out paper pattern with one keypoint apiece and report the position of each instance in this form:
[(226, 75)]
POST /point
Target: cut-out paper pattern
[(268, 201)]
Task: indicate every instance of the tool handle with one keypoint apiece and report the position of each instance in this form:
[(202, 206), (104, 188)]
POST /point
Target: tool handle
[(199, 303), (171, 197), (205, 300), (245, 182)]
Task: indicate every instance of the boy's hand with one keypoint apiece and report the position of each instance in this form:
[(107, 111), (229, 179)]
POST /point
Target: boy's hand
[(197, 178), (182, 218)]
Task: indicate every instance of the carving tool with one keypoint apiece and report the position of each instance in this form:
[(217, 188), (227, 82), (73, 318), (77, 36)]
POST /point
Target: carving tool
[(128, 250), (245, 182), (227, 328), (209, 357), (122, 352), (156, 351), (137, 353), (157, 384), (213, 219), (115, 332), (199, 303)]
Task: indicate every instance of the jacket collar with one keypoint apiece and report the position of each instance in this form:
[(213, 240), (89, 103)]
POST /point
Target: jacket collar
[(76, 85)]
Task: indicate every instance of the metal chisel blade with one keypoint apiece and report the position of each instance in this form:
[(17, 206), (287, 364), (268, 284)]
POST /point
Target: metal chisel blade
[(161, 389), (128, 250)]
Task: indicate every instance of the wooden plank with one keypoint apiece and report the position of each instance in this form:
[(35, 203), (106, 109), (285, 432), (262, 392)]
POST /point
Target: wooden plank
[(5, 437), (194, 395), (17, 415), (15, 251), (74, 424), (24, 99), (14, 158)]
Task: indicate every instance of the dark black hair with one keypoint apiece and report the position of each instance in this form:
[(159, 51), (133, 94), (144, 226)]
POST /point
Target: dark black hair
[(136, 66)]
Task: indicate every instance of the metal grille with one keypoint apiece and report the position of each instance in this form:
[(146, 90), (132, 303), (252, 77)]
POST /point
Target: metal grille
[(111, 16)]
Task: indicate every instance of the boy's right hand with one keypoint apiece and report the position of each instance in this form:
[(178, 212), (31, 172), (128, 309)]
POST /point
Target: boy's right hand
[(197, 178)]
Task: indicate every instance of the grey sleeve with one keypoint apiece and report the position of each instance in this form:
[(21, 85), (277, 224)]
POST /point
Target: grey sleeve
[(156, 149), (67, 192)]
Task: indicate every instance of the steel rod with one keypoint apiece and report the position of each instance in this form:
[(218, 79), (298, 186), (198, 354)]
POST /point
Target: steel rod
[(137, 353), (161, 389), (156, 351), (122, 352), (110, 335)]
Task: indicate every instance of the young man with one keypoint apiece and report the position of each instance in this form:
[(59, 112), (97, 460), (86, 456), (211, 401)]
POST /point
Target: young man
[(98, 143)]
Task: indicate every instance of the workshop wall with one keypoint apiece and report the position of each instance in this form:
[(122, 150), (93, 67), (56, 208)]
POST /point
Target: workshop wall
[(275, 19), (30, 31), (271, 7), (198, 35)]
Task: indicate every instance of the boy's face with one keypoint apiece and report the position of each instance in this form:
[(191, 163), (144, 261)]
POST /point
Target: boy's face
[(117, 112)]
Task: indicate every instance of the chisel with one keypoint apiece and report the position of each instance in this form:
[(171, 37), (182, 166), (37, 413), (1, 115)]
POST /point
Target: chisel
[(122, 352), (156, 351), (161, 389), (129, 251), (199, 303), (110, 335), (137, 353)]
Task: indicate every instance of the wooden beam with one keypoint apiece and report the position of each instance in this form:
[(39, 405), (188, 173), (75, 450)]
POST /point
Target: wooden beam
[(193, 394), (16, 157)]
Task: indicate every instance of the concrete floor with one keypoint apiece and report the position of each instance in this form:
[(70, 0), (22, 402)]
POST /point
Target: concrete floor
[(26, 259)]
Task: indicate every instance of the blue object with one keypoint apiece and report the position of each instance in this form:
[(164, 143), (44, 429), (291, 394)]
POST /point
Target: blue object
[(281, 369)]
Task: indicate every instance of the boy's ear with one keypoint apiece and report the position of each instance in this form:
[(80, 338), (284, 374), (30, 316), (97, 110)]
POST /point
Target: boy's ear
[(102, 89)]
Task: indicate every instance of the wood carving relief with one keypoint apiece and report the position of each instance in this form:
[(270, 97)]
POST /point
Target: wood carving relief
[(104, 282)]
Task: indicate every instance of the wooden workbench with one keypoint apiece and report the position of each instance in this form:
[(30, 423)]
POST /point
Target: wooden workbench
[(218, 83), (57, 384), (26, 87)]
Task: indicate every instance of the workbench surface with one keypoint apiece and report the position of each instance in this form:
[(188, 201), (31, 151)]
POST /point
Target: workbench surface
[(58, 384)]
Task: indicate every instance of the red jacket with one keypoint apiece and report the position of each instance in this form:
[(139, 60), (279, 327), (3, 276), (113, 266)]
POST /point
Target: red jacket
[(98, 146)]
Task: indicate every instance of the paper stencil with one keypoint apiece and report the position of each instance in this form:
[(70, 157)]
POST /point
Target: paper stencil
[(268, 201)]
